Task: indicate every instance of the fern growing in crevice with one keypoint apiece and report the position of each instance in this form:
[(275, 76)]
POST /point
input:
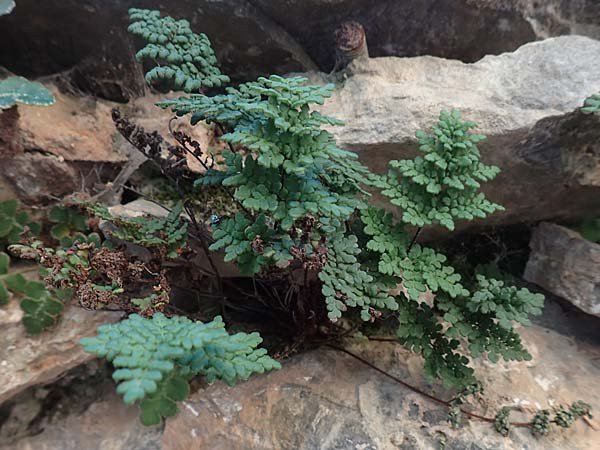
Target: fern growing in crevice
[(442, 185), (302, 215), (155, 359)]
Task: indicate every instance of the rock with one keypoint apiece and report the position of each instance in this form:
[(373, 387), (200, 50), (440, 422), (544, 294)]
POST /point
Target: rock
[(566, 264), (556, 17), (523, 101), (26, 361), (36, 177), (325, 399), (9, 120), (93, 43), (87, 40), (465, 30), (105, 423), (49, 152)]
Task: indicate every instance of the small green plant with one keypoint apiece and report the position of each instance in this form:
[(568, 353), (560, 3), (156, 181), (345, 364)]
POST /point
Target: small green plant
[(152, 232), (41, 308), (155, 359), (501, 421), (66, 221), (14, 221), (443, 184), (183, 57), (592, 104)]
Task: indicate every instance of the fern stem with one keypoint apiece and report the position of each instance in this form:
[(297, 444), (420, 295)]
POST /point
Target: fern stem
[(414, 239), (415, 389)]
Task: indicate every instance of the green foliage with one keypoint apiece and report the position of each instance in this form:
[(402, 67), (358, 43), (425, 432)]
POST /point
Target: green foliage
[(565, 416), (13, 221), (169, 232), (592, 104), (9, 282), (15, 90), (590, 229), (291, 172), (67, 221), (41, 308), (155, 358), (299, 198), (501, 422), (455, 413), (442, 185), (6, 6), (540, 424), (345, 283), (182, 56)]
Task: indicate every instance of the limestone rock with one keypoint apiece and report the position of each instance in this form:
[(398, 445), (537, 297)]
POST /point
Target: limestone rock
[(26, 361), (523, 101), (566, 264), (49, 152), (108, 424), (326, 400)]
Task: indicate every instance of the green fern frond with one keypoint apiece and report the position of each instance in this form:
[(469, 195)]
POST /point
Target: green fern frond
[(347, 284), (155, 358), (183, 57), (442, 185), (592, 104), (15, 90)]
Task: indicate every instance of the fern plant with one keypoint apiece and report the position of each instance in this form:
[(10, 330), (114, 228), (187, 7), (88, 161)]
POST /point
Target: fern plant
[(185, 58), (300, 197), (67, 221), (442, 185), (155, 359), (14, 90), (442, 315), (157, 232), (41, 307)]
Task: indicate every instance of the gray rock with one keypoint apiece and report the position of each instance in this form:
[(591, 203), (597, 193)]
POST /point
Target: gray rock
[(26, 361), (523, 101), (325, 400), (566, 264)]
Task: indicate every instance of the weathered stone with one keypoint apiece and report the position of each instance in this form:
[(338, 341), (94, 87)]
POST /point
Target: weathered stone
[(26, 361), (39, 178), (94, 45), (523, 101), (566, 264), (87, 39), (107, 424), (326, 400), (9, 120), (465, 30), (49, 152)]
